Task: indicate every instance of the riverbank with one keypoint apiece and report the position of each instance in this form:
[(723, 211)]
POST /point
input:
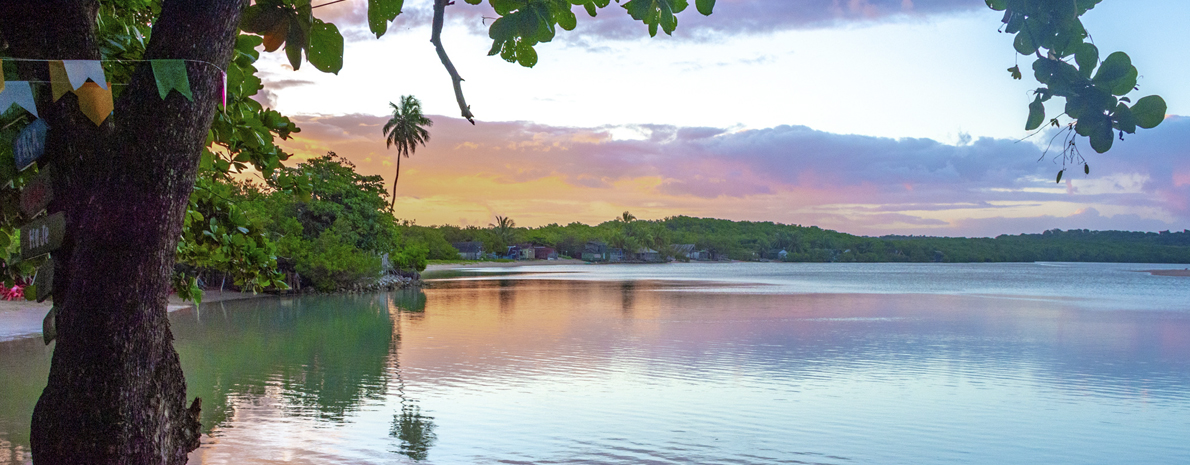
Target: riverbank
[(457, 266)]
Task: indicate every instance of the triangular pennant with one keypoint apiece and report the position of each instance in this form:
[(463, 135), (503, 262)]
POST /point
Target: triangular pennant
[(171, 75), (20, 93), (78, 71), (59, 83), (95, 102)]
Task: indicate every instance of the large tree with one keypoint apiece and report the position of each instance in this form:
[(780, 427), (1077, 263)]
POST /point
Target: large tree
[(116, 393)]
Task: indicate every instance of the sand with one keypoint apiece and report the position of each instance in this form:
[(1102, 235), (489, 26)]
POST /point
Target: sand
[(23, 318), (456, 266), (1185, 273)]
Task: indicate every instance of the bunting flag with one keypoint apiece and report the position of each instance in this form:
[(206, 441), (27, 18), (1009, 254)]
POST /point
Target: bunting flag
[(59, 82), (95, 102), (20, 93), (2, 79), (78, 71), (171, 75)]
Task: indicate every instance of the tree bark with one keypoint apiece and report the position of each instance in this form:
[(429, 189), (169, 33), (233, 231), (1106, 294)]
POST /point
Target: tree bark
[(116, 393)]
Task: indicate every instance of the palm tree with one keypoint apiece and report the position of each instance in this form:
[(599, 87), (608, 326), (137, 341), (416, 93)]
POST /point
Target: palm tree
[(503, 228), (406, 129)]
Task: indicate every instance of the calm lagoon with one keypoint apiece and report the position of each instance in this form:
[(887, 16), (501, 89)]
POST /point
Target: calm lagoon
[(690, 363)]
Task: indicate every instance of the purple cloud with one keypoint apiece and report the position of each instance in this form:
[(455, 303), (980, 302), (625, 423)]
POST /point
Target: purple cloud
[(874, 181)]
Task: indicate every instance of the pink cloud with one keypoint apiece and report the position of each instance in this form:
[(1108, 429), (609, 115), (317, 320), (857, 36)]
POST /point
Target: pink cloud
[(788, 173)]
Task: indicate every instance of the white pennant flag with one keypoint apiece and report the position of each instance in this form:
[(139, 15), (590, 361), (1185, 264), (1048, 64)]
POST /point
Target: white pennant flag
[(78, 71)]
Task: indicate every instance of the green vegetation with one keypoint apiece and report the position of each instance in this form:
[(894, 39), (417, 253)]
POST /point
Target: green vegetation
[(746, 240), (337, 237), (1068, 65)]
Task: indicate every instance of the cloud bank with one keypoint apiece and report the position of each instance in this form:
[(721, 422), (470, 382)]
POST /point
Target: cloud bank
[(541, 174), (730, 16)]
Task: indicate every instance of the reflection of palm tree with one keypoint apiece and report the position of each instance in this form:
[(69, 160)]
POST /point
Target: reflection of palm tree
[(405, 130), (416, 431)]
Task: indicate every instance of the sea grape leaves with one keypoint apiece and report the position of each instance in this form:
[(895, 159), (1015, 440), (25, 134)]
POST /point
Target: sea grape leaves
[(1068, 66)]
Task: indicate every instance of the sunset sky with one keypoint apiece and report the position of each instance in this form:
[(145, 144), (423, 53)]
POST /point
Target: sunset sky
[(865, 116)]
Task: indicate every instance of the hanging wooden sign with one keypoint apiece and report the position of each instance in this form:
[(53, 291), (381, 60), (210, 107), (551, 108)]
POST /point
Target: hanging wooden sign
[(44, 280), (43, 235), (37, 193), (30, 144), (49, 326)]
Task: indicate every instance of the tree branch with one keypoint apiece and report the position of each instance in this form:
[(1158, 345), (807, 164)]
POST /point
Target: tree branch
[(436, 39)]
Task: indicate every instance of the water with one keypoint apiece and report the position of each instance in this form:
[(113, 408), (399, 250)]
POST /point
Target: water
[(695, 363)]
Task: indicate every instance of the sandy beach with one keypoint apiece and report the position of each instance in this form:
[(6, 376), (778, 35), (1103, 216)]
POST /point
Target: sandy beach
[(456, 266), (23, 318), (1185, 272)]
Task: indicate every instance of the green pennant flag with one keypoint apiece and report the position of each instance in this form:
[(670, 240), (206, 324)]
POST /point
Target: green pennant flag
[(171, 75)]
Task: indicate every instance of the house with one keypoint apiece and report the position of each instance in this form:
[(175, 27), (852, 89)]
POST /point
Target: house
[(469, 250), (545, 253), (525, 252), (596, 252), (615, 255), (647, 254), (684, 251)]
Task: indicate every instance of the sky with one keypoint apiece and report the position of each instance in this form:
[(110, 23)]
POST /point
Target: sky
[(870, 117)]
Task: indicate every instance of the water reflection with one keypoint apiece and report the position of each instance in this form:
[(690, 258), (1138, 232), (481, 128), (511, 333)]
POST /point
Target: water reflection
[(538, 370), (415, 431), (409, 300)]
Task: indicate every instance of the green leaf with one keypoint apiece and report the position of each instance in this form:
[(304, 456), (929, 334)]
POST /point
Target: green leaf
[(1036, 114), (1125, 121), (1060, 176), (567, 20), (1101, 136), (326, 47), (380, 12), (1117, 66), (704, 6), (1024, 44), (1087, 57), (1016, 72), (1149, 111), (1086, 168), (525, 55), (590, 9), (295, 42)]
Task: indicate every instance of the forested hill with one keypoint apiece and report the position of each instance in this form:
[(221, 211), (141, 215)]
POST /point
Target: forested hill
[(746, 240)]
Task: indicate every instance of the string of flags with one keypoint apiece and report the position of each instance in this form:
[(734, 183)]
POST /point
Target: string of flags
[(87, 80)]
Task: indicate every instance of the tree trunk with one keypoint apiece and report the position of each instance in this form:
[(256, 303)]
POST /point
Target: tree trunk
[(116, 393), (395, 178)]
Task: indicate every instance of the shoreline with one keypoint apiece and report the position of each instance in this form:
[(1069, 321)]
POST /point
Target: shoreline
[(1182, 273), (482, 264), (23, 318)]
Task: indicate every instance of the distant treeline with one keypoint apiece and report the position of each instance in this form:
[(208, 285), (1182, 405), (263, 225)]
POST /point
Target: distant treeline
[(746, 240)]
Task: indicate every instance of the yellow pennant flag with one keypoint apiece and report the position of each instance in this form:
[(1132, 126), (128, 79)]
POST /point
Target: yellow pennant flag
[(95, 101), (59, 81), (2, 83)]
